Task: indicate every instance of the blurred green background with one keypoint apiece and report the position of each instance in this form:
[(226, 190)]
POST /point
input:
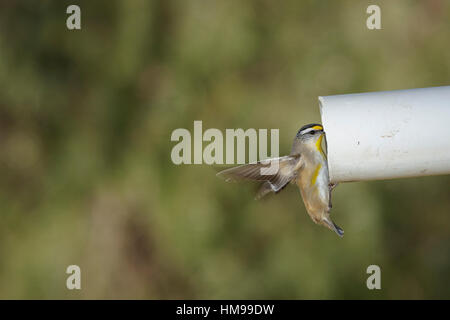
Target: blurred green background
[(86, 176)]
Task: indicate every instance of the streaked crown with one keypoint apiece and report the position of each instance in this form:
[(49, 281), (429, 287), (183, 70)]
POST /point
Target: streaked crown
[(309, 128)]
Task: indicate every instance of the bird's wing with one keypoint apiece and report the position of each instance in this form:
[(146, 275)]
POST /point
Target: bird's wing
[(276, 173)]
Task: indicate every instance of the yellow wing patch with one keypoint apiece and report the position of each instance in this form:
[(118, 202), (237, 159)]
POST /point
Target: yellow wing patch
[(316, 173)]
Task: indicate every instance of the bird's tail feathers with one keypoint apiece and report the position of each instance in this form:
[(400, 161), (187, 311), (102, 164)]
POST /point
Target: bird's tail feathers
[(333, 226)]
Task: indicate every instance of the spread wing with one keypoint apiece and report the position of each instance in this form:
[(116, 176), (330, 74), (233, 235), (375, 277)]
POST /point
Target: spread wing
[(276, 173)]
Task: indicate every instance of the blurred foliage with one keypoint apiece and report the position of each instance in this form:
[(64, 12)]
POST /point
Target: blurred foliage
[(86, 176)]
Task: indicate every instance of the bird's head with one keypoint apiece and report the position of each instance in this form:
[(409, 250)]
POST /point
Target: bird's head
[(310, 133), (309, 136)]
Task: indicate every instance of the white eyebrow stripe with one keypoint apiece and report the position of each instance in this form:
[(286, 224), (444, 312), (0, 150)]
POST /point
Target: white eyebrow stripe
[(306, 130)]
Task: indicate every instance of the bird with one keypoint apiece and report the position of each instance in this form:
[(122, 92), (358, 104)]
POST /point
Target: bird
[(306, 166)]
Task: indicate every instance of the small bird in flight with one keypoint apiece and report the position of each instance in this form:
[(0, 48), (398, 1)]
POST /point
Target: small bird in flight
[(306, 166)]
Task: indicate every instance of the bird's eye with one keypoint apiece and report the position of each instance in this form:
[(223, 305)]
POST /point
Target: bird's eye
[(312, 132)]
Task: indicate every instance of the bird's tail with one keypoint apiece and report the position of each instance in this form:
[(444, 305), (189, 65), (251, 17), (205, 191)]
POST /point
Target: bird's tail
[(333, 226)]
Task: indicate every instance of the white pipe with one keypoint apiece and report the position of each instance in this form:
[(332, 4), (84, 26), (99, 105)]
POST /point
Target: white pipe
[(386, 135)]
